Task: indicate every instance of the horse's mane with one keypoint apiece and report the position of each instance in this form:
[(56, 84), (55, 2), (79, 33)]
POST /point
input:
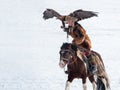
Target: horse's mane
[(68, 46), (65, 46)]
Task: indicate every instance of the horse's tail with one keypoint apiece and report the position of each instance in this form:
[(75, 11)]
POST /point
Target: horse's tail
[(100, 84), (107, 79), (103, 82), (103, 79)]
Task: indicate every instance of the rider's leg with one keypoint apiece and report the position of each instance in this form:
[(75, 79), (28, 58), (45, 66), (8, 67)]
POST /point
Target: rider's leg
[(91, 60)]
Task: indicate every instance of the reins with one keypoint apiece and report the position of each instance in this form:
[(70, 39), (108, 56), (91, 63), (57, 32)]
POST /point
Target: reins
[(68, 59)]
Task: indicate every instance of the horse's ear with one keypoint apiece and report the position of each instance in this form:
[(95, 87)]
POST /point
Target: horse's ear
[(64, 46), (61, 46), (74, 47)]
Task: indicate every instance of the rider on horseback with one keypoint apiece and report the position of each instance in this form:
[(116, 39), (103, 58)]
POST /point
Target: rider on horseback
[(80, 38)]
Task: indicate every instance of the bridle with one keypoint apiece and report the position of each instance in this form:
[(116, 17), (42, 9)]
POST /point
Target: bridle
[(71, 53), (72, 56)]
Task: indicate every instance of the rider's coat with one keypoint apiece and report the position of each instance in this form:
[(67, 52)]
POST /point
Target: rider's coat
[(80, 36)]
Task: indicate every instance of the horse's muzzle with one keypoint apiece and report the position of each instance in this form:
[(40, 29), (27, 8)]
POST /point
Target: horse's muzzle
[(62, 64)]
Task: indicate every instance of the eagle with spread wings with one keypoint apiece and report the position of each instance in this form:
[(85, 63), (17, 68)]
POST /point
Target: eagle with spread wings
[(79, 14)]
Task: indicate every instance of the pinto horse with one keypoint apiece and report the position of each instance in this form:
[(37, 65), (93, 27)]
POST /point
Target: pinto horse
[(77, 68)]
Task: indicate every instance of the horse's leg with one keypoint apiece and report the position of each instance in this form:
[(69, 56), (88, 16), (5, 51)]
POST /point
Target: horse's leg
[(94, 85), (67, 87), (92, 80), (84, 83), (84, 86), (69, 81)]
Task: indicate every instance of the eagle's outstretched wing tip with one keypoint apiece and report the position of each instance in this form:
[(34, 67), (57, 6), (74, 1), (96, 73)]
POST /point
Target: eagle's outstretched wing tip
[(50, 13), (82, 14)]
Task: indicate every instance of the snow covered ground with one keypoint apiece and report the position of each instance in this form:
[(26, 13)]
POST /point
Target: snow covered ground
[(29, 46)]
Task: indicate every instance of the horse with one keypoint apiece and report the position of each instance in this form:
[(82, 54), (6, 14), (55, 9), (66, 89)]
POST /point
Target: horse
[(77, 68)]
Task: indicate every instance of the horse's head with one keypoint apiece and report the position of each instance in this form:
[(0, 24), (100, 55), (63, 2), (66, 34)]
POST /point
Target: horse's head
[(67, 53)]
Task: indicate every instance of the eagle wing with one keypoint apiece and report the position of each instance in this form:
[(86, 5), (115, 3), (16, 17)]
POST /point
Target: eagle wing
[(50, 13), (81, 14)]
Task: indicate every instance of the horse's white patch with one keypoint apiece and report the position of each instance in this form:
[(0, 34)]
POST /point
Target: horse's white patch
[(94, 85), (67, 87), (84, 86), (62, 64), (85, 66), (79, 55)]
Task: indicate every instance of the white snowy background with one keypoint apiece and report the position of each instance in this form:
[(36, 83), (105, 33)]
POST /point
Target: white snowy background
[(29, 45)]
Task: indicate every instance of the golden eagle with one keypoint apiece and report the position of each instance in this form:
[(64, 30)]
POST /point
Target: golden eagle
[(79, 14)]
